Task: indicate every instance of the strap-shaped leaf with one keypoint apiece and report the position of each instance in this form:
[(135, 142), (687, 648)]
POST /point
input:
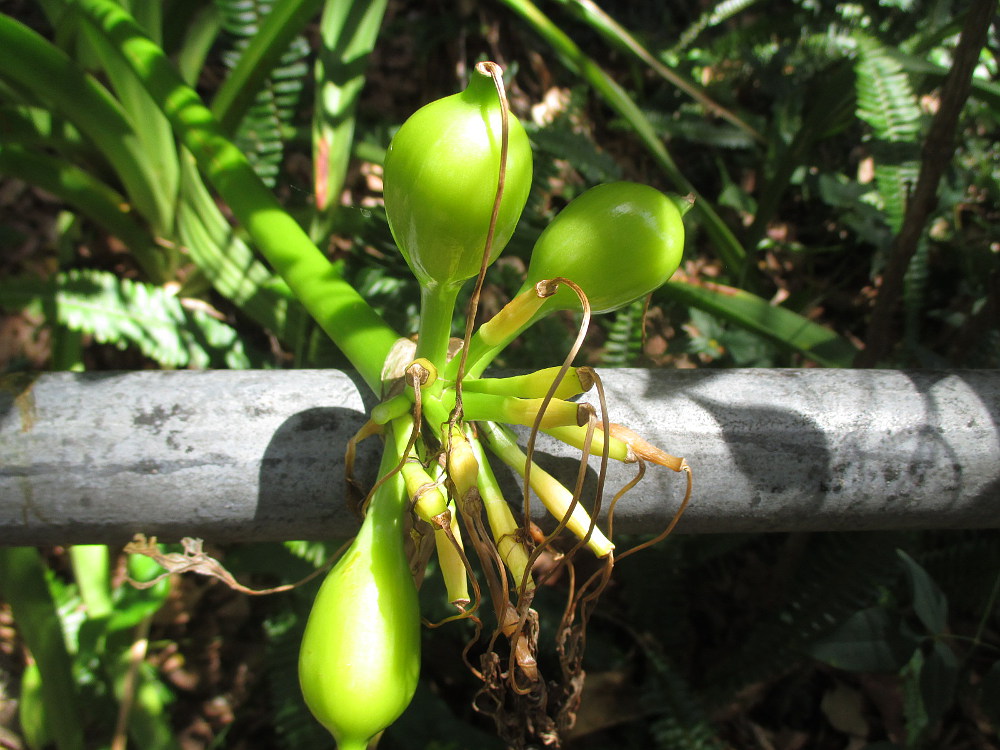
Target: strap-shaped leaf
[(779, 324), (348, 32)]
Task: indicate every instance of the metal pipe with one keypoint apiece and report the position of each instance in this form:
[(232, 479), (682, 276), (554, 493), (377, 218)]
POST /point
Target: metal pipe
[(258, 455)]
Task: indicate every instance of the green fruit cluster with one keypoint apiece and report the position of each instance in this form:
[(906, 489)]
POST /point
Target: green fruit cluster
[(360, 656)]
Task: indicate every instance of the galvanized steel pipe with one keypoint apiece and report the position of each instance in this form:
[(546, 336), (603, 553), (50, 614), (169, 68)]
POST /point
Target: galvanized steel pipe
[(258, 455)]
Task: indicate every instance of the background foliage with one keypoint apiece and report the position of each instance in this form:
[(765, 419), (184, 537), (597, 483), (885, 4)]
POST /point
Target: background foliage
[(801, 127)]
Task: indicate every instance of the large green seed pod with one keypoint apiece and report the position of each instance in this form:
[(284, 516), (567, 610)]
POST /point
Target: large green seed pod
[(360, 655), (440, 183), (618, 242)]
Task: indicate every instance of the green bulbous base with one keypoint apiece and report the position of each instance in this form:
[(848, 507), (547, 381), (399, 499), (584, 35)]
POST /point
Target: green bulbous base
[(440, 183), (617, 241), (360, 656)]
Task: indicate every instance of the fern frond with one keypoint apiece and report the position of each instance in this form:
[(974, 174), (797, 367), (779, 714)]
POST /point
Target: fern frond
[(125, 312), (722, 11), (692, 127), (837, 575), (886, 102), (260, 134), (624, 344), (561, 141), (885, 98), (682, 723), (895, 183), (914, 292)]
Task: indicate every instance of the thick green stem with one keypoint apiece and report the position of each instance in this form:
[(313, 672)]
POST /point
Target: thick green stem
[(348, 319), (389, 503), (92, 572), (481, 354), (437, 308), (501, 519), (555, 497), (24, 588), (533, 385)]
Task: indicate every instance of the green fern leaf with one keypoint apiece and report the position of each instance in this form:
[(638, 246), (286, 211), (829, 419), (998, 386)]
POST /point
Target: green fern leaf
[(885, 98), (624, 344), (722, 11), (837, 575), (125, 312), (886, 102), (562, 140), (682, 723), (915, 292), (260, 132)]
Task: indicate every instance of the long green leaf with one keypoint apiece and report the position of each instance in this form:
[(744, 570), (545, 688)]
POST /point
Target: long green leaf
[(230, 265), (39, 129), (197, 43), (347, 34), (721, 11), (281, 25), (346, 317), (260, 133), (23, 586), (621, 38), (726, 243), (983, 89), (153, 131), (94, 199), (54, 80), (781, 325)]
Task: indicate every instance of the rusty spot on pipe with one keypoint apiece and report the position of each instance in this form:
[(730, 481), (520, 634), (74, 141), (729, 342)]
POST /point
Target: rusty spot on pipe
[(20, 385)]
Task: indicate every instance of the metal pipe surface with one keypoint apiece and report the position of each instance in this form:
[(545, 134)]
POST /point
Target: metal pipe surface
[(258, 455)]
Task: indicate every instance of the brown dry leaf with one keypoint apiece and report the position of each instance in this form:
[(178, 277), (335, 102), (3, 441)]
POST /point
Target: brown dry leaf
[(194, 560)]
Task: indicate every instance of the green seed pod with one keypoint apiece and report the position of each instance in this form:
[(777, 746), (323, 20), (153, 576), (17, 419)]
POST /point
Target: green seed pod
[(440, 182), (618, 242), (360, 655)]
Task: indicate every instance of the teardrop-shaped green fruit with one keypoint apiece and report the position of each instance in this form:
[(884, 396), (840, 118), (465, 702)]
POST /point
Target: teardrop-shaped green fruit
[(360, 655), (440, 183), (617, 241)]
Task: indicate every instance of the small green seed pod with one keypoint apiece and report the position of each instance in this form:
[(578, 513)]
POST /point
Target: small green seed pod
[(440, 182), (618, 242)]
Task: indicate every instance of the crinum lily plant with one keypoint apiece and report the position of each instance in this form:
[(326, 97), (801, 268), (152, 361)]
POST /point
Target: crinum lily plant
[(456, 179), (457, 175)]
